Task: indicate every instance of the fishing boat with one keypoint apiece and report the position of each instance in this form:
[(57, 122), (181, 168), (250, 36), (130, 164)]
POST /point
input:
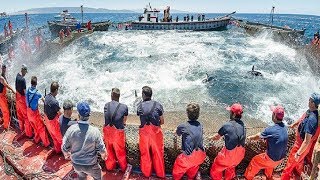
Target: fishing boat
[(3, 15), (280, 33), (150, 21), (64, 20)]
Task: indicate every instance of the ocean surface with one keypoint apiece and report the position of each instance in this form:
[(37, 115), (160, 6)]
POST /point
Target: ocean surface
[(174, 63)]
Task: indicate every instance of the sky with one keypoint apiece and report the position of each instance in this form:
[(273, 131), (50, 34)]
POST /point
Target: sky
[(310, 7)]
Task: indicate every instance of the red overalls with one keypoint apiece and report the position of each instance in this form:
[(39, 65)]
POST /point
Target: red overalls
[(4, 107), (151, 150), (21, 107), (53, 127), (38, 126), (188, 164), (115, 141), (292, 164)]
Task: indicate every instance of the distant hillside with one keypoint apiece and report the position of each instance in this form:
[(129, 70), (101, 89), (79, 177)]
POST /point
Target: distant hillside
[(47, 10)]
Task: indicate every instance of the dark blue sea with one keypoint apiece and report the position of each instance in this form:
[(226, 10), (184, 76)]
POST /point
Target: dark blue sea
[(174, 63)]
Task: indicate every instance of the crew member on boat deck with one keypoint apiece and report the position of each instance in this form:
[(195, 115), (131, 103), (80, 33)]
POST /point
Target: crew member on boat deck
[(177, 19), (38, 39), (315, 40), (150, 135), (232, 154), (5, 29), (191, 17), (3, 98), (78, 27), (193, 154), (82, 143), (65, 119), (115, 116), (21, 104), (89, 25), (10, 28), (52, 114), (306, 136), (32, 98), (68, 31), (276, 137), (61, 35)]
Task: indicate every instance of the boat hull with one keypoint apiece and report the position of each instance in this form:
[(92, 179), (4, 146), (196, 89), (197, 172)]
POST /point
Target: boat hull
[(209, 25), (55, 27)]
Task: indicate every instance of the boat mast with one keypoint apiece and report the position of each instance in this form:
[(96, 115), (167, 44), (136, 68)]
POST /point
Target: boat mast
[(26, 16), (81, 13), (271, 15)]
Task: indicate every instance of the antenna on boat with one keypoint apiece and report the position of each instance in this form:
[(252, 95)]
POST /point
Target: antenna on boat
[(81, 13), (271, 15)]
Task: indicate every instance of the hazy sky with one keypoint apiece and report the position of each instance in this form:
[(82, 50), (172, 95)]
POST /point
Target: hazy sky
[(218, 6)]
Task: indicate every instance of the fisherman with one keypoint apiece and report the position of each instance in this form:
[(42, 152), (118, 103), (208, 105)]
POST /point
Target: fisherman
[(89, 26), (150, 135), (82, 143), (21, 105), (191, 17), (3, 98), (38, 39), (232, 154), (188, 17), (276, 137), (203, 17), (315, 40), (255, 73), (61, 35), (184, 18), (65, 120), (10, 28), (68, 32), (177, 19), (5, 29), (306, 136), (199, 17), (52, 114), (78, 27), (193, 154), (32, 97), (115, 116)]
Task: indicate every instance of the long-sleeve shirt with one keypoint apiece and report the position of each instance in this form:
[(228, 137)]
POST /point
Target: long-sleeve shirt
[(84, 143)]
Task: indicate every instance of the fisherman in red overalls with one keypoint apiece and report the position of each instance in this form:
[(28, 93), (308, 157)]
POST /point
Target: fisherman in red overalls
[(276, 137), (3, 98), (38, 40), (5, 29), (68, 31), (115, 115), (10, 28), (150, 135), (89, 25), (33, 113), (61, 35), (232, 154), (306, 136), (193, 153), (21, 105), (52, 114)]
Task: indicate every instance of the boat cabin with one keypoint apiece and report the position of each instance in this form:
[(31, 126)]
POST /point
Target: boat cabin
[(149, 15)]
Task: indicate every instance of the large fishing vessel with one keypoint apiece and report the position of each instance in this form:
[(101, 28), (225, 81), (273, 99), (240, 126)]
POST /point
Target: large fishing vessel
[(285, 33), (150, 21), (64, 20)]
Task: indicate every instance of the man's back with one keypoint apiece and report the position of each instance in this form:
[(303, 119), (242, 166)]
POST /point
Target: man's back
[(84, 142)]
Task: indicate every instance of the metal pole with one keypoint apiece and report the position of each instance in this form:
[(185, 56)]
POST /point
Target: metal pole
[(26, 16), (82, 13)]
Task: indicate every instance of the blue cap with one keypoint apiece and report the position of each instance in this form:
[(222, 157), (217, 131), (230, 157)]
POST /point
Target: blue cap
[(315, 98), (83, 109)]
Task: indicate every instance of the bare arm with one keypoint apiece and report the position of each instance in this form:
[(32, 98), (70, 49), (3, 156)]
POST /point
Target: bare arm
[(4, 82), (215, 137), (255, 137), (161, 120), (295, 124), (304, 145)]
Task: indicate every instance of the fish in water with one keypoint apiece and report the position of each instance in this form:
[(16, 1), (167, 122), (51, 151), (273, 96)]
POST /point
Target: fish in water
[(255, 73), (208, 78)]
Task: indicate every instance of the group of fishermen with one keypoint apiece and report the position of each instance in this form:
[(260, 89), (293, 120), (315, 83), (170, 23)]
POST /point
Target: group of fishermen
[(82, 142), (68, 32), (6, 31)]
